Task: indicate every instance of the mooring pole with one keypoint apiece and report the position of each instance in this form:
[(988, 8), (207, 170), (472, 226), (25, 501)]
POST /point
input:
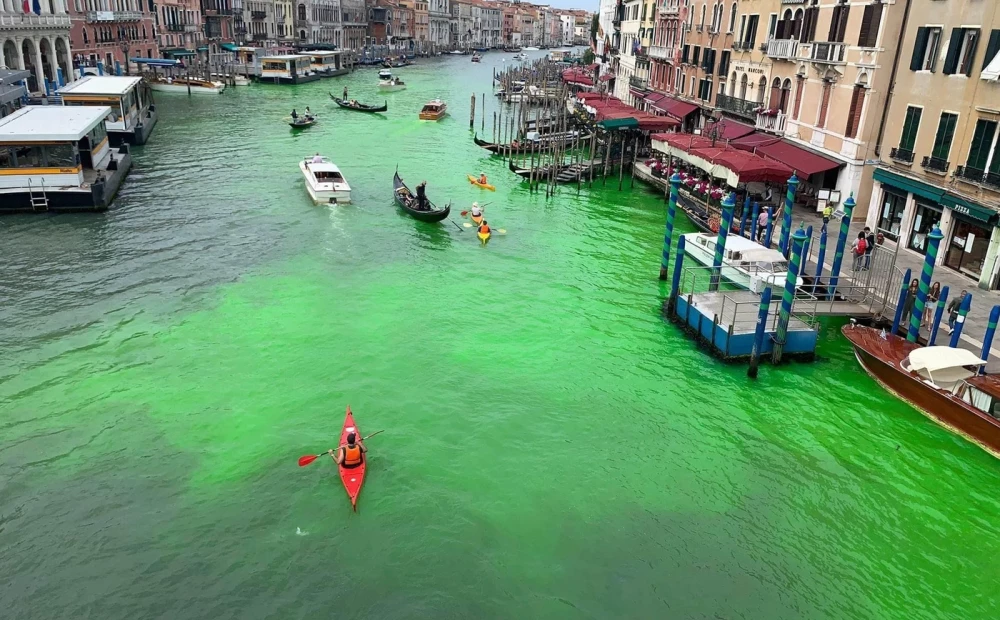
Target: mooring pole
[(769, 231), (758, 335), (675, 183), (472, 112), (991, 329), (942, 300), (838, 256), (805, 250), (963, 311), (675, 282), (725, 223), (744, 215), (917, 316), (754, 233), (901, 301), (791, 278), (820, 258)]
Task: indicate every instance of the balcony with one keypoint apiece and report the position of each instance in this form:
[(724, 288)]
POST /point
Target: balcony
[(742, 46), (935, 164), (191, 28), (772, 123), (901, 155), (737, 106), (637, 82), (94, 17), (977, 176), (175, 27), (783, 49), (828, 53), (666, 11), (258, 15), (27, 22), (661, 52)]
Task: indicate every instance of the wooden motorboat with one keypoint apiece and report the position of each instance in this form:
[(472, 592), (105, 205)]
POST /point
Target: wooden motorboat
[(302, 122), (186, 85), (746, 263), (359, 107), (324, 181), (942, 382), (407, 200), (433, 110)]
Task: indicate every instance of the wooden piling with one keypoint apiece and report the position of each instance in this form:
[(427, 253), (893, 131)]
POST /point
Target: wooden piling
[(472, 112)]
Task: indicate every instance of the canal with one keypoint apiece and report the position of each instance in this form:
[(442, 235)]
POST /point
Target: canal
[(552, 448)]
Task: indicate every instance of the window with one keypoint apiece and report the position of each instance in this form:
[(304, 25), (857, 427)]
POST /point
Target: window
[(772, 24), (685, 52), (992, 47), (891, 216), (982, 143), (809, 20), (750, 38), (870, 23), (925, 49), (824, 105), (732, 19), (683, 82), (761, 89), (696, 57), (724, 64), (911, 124), (945, 134), (838, 25), (854, 114), (961, 51), (694, 81), (704, 11)]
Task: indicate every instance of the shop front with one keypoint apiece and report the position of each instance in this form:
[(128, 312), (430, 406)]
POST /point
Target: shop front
[(891, 214), (970, 236), (926, 216)]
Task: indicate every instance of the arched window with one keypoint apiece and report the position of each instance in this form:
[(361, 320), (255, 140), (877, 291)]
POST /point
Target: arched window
[(775, 94), (743, 87), (786, 94), (732, 19), (302, 34), (761, 89), (715, 16), (704, 12)]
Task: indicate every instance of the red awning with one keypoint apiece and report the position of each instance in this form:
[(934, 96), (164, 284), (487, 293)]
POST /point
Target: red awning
[(654, 97), (752, 141), (675, 107), (753, 168), (607, 77), (805, 163), (684, 141), (732, 130), (650, 122)]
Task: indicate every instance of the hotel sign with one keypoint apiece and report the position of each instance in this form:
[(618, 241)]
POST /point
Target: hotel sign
[(749, 68)]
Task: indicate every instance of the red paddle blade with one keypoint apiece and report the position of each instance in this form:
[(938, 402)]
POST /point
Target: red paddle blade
[(305, 460), (464, 213)]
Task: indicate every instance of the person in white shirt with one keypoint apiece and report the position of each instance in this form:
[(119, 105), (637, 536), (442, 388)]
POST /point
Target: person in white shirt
[(317, 159), (476, 211)]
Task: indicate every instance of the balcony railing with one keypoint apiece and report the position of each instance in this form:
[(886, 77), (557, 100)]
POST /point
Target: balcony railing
[(772, 124), (832, 53), (191, 28), (637, 82), (978, 176), (113, 16), (784, 49), (175, 27), (935, 164), (737, 106), (35, 21), (658, 51), (901, 154), (259, 36), (258, 14), (742, 46), (669, 10)]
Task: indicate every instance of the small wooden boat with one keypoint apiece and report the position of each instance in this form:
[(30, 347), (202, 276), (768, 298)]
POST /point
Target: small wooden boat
[(407, 200), (388, 82), (433, 110), (476, 182), (302, 122), (359, 107), (352, 477)]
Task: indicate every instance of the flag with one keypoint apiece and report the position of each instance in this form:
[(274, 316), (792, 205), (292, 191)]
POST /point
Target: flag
[(38, 8), (26, 6)]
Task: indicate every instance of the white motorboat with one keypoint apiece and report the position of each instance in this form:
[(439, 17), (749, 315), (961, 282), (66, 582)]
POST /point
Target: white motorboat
[(241, 80), (187, 85), (530, 49), (324, 181), (520, 56), (746, 264), (388, 82)]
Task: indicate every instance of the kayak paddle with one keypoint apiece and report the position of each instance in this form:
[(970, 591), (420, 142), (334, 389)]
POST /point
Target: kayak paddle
[(309, 458)]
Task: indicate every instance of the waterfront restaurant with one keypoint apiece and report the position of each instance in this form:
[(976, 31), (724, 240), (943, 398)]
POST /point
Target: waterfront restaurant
[(287, 69), (133, 114), (326, 63), (57, 158)]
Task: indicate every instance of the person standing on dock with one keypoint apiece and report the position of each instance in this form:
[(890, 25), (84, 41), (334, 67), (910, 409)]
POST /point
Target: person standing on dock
[(953, 307), (869, 247), (827, 214), (932, 301), (911, 297), (761, 225), (858, 250)]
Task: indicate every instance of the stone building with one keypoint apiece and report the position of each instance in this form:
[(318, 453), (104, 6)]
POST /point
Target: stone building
[(36, 43)]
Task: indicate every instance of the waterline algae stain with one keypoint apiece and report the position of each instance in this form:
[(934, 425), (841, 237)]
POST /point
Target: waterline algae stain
[(553, 447)]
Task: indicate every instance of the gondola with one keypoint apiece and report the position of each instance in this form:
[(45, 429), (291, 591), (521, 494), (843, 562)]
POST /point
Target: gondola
[(404, 198), (537, 146), (360, 107)]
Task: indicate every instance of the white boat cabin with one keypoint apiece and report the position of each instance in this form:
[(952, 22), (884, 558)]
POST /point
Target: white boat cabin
[(287, 69), (129, 98), (327, 63), (746, 254)]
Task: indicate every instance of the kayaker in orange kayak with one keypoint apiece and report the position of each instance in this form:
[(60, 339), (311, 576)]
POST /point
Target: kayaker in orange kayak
[(351, 455), (482, 178)]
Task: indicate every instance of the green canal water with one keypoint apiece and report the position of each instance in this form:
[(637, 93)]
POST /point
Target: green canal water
[(552, 449)]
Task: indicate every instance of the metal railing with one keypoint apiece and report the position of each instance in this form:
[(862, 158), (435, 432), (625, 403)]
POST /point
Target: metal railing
[(661, 52), (772, 123), (900, 154), (832, 53), (637, 82), (34, 21), (785, 49), (935, 164), (113, 16), (978, 176), (735, 105), (258, 14), (742, 46)]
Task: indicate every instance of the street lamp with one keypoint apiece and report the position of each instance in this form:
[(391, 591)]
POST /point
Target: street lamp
[(125, 48)]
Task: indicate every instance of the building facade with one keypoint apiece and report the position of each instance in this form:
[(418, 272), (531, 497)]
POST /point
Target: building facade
[(217, 16), (181, 32), (439, 22), (37, 43), (106, 35), (319, 22), (938, 139)]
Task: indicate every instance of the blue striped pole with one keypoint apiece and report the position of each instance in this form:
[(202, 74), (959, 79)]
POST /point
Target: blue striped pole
[(820, 258), (942, 300), (769, 231), (675, 283), (838, 257), (788, 296), (805, 250), (753, 225), (917, 316), (901, 301), (991, 329), (728, 206), (744, 216), (758, 335), (675, 182), (963, 311), (786, 222)]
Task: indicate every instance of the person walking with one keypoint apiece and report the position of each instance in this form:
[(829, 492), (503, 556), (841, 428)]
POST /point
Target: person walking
[(869, 247), (953, 307), (761, 226), (931, 306), (858, 250), (827, 214)]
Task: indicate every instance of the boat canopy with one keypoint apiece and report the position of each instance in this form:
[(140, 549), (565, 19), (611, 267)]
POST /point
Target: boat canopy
[(934, 359), (156, 62)]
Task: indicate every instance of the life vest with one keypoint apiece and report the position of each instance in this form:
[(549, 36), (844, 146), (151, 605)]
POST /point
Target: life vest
[(485, 229), (352, 455), (482, 180)]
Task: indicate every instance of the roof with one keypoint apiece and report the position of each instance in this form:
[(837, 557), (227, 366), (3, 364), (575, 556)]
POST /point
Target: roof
[(285, 57), (804, 163), (101, 85), (36, 123), (750, 142), (732, 130), (322, 167), (318, 53), (933, 359), (13, 75), (674, 107)]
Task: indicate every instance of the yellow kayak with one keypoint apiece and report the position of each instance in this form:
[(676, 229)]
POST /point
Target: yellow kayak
[(483, 237), (476, 182)]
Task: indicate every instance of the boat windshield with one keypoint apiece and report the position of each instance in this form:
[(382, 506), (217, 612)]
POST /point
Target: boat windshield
[(329, 177)]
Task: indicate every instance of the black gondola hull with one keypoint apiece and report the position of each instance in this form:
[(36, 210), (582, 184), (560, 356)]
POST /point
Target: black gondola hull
[(399, 193), (360, 107)]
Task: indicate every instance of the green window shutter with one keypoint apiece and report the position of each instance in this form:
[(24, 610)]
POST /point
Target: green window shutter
[(992, 47), (919, 49), (982, 140), (954, 48), (945, 133), (910, 127)]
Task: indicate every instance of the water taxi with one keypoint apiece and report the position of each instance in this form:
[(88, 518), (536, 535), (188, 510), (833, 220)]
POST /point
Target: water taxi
[(57, 158), (476, 58), (324, 181), (433, 110), (133, 114), (191, 86), (286, 69), (326, 63), (746, 264), (388, 82)]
